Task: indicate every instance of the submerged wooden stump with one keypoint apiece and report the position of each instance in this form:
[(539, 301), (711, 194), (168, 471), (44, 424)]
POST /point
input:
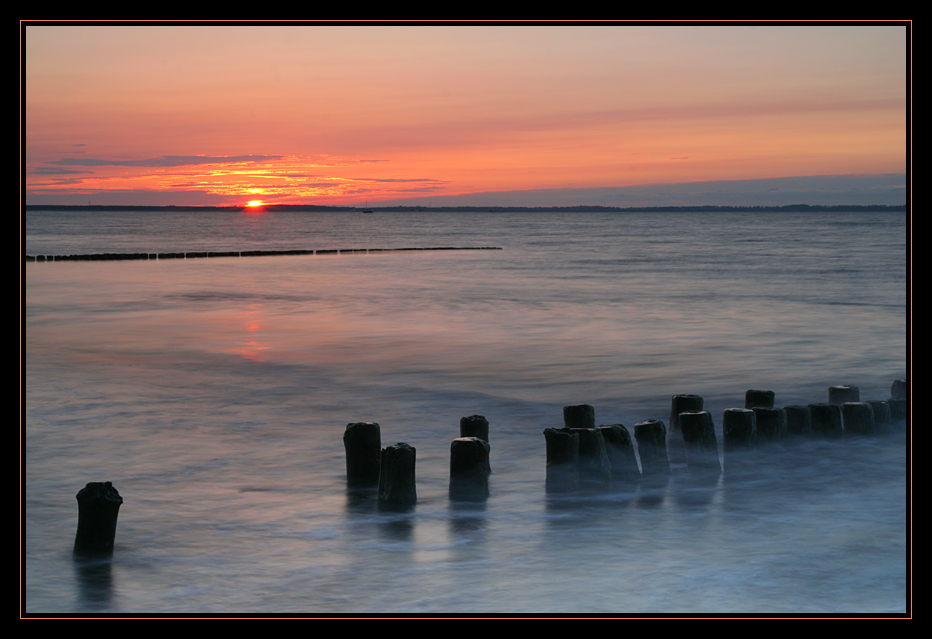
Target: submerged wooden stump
[(363, 444), (98, 506), (469, 469), (396, 481), (562, 459)]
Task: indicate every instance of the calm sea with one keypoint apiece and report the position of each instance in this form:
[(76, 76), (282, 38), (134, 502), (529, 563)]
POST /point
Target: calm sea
[(214, 393)]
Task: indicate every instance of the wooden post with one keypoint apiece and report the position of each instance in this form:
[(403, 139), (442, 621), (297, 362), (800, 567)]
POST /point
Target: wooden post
[(841, 394), (581, 416), (759, 398), (883, 419), (474, 426), (469, 469), (699, 439), (857, 418), (621, 453), (98, 506), (396, 480), (739, 428), (798, 422), (651, 436), (771, 423), (897, 409), (595, 468), (899, 389), (363, 444), (739, 434), (682, 404), (562, 459), (825, 420)]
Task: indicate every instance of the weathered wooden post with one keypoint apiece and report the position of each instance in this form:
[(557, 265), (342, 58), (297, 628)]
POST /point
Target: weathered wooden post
[(739, 429), (581, 416), (857, 418), (595, 468), (676, 453), (897, 409), (396, 481), (883, 419), (562, 459), (699, 439), (771, 423), (98, 506), (651, 436), (899, 389), (759, 398), (363, 444), (474, 426), (681, 404), (621, 453), (825, 420), (798, 422), (739, 434), (469, 469), (899, 400), (842, 394)]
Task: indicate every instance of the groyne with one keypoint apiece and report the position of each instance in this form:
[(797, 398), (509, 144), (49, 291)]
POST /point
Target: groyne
[(580, 456), (179, 255)]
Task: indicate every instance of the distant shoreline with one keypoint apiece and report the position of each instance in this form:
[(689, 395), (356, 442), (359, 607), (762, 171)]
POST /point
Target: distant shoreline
[(788, 208)]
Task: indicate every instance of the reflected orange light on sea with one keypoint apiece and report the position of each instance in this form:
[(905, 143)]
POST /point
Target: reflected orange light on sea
[(253, 343)]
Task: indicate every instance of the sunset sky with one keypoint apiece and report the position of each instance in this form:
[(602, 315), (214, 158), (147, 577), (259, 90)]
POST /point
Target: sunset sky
[(527, 114)]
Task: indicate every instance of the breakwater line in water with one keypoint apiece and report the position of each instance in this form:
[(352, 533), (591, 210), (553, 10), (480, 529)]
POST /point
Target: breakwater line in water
[(98, 257), (581, 455)]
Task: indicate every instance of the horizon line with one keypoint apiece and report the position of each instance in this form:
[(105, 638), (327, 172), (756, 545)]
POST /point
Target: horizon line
[(487, 207)]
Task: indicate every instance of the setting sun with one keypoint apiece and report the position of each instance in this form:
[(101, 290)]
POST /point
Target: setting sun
[(255, 203)]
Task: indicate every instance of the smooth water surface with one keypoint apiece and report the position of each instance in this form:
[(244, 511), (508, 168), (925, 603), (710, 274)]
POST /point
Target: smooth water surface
[(213, 393)]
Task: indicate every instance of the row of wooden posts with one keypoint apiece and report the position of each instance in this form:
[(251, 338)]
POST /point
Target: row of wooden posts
[(579, 453), (97, 257)]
